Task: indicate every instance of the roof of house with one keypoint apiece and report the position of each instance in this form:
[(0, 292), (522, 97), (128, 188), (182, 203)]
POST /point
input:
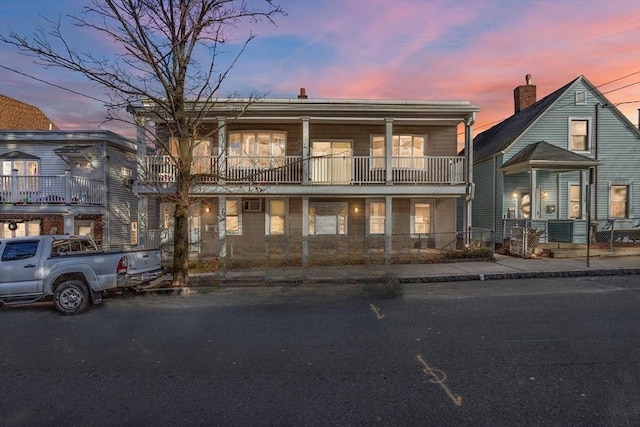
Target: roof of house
[(16, 115), (501, 136), (547, 156)]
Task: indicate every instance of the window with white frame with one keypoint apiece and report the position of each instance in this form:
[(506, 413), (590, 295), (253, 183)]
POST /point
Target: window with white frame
[(619, 201), (22, 229), (376, 216), (276, 216), (581, 97), (327, 218), (27, 171), (575, 201), (250, 149), (421, 212), (408, 151), (233, 216), (579, 134)]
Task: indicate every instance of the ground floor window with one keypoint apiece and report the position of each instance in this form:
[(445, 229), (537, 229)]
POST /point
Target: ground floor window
[(233, 216), (327, 218), (619, 201), (19, 229), (376, 216), (421, 211), (276, 216)]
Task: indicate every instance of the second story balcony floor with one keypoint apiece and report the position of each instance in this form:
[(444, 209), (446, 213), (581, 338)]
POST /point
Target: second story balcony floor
[(51, 189), (314, 171)]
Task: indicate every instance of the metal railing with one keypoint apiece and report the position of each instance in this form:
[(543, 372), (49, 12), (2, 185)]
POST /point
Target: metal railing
[(322, 170), (51, 189)]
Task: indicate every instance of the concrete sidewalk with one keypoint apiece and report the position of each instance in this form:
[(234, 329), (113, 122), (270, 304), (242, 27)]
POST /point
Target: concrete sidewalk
[(504, 267)]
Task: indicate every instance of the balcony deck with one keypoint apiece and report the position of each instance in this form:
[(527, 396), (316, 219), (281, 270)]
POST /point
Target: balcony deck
[(60, 189), (347, 170)]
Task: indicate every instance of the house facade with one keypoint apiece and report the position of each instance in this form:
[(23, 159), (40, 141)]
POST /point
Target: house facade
[(561, 162), (69, 182), (308, 179)]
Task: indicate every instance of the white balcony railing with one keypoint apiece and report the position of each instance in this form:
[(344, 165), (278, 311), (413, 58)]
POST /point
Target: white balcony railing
[(323, 170), (51, 189)]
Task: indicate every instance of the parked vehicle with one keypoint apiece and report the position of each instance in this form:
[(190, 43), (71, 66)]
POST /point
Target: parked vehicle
[(70, 269)]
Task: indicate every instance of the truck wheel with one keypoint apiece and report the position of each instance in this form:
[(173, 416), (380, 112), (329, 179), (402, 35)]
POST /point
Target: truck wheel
[(71, 297)]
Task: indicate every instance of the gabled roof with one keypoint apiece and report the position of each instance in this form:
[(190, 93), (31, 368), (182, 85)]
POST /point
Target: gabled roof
[(18, 155), (547, 156), (501, 136), (16, 115)]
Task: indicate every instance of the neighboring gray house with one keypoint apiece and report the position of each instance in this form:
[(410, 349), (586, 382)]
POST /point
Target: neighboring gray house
[(68, 182), (538, 163)]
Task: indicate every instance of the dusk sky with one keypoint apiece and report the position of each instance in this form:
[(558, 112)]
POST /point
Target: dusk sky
[(461, 50)]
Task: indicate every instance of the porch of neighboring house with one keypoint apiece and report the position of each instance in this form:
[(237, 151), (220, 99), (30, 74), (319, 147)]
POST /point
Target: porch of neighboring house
[(570, 238), (51, 189)]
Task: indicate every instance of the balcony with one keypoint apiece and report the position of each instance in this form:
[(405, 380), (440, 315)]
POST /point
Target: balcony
[(59, 189), (344, 170)]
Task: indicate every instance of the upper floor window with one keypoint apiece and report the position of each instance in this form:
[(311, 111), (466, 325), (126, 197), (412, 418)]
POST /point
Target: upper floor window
[(579, 134), (408, 151), (619, 201), (581, 97), (256, 149), (23, 166)]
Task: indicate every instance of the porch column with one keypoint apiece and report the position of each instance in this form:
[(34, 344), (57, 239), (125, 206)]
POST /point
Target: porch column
[(143, 207), (583, 194), (533, 184), (222, 151), (388, 230), (306, 154), (467, 214), (388, 151), (305, 232), (222, 231)]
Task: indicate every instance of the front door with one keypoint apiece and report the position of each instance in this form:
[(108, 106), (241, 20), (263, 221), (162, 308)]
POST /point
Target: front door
[(331, 162)]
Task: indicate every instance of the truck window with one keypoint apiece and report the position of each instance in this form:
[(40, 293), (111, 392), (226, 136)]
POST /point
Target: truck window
[(19, 250)]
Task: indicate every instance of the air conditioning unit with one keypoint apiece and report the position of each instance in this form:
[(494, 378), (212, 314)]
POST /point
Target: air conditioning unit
[(252, 205)]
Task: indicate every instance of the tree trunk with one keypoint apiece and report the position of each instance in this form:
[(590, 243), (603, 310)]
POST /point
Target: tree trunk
[(181, 245)]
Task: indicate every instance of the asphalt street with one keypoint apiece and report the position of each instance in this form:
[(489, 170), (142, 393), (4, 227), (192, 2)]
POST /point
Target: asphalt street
[(560, 351)]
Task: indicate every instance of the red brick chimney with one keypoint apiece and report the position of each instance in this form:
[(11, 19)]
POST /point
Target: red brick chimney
[(523, 96), (303, 93)]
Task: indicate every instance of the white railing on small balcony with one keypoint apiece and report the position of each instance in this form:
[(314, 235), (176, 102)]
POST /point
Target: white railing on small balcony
[(51, 189), (323, 170)]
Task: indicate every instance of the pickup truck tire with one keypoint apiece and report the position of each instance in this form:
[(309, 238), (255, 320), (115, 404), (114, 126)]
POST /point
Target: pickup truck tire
[(71, 297)]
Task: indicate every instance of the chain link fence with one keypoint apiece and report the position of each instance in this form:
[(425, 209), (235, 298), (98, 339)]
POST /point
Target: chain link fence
[(334, 250)]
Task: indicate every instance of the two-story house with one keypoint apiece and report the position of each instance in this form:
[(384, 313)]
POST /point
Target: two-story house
[(559, 162), (68, 182), (310, 179)]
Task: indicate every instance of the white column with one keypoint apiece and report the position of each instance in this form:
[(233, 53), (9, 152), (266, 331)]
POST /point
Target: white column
[(305, 232), (222, 229), (388, 151), (222, 150), (533, 214), (388, 229), (306, 152)]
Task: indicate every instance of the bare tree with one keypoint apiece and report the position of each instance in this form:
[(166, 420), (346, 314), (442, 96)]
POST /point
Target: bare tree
[(170, 58)]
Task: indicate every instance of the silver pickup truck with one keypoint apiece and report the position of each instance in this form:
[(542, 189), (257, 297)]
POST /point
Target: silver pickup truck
[(71, 269)]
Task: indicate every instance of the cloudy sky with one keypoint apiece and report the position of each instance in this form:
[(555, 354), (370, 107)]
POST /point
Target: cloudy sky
[(470, 50)]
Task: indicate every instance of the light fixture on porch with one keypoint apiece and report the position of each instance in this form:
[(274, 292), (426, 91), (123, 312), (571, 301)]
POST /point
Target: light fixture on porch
[(356, 209), (544, 194)]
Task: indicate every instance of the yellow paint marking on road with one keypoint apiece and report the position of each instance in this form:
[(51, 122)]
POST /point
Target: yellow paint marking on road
[(376, 310), (438, 377)]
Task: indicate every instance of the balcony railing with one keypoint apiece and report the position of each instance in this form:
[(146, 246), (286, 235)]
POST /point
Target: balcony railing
[(323, 170), (58, 189)]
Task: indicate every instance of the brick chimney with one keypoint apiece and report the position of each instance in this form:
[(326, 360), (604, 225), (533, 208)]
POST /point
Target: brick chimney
[(523, 96), (303, 93)]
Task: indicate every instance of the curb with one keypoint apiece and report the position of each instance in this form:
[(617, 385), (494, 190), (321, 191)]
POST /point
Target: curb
[(311, 283)]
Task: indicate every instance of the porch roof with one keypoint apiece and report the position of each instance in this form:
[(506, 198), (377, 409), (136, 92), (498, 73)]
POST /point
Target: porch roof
[(543, 155)]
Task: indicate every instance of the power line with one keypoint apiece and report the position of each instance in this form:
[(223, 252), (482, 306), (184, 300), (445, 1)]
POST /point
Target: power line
[(50, 84)]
